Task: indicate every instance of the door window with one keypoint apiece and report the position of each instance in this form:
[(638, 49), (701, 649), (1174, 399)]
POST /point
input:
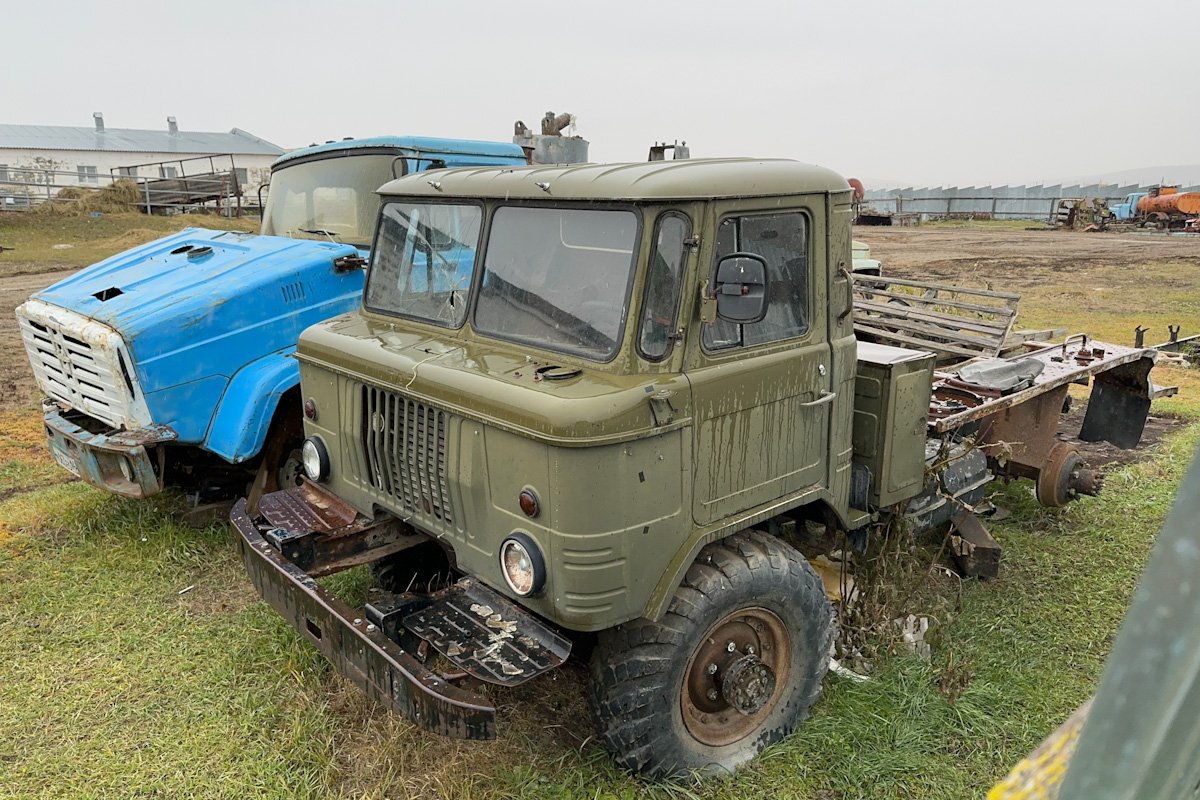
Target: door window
[(781, 240)]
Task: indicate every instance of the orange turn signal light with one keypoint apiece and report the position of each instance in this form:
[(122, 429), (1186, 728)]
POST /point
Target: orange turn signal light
[(529, 502)]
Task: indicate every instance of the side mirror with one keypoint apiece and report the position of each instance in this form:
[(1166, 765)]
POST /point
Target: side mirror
[(741, 288)]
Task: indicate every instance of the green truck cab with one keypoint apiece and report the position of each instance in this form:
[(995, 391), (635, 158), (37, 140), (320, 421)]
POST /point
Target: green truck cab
[(570, 403)]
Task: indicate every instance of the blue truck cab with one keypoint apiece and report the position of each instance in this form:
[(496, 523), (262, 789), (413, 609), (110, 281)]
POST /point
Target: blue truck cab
[(1129, 209), (171, 363)]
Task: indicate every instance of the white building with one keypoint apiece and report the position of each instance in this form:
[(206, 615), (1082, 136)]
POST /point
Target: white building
[(32, 156)]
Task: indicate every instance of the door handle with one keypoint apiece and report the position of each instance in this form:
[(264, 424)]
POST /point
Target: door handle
[(822, 400)]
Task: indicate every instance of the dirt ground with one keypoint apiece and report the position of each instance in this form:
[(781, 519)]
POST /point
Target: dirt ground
[(1015, 258), (1005, 257), (17, 387)]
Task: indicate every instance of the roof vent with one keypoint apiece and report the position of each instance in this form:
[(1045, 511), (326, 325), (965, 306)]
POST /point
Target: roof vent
[(172, 127), (99, 117)]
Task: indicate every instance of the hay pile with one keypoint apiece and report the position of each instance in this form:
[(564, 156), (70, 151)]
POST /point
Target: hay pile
[(118, 197)]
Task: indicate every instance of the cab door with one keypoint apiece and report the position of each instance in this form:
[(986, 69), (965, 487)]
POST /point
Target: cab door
[(761, 392)]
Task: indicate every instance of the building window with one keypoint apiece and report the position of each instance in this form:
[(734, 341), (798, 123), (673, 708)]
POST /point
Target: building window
[(86, 174), (127, 172), (3, 173), (242, 177), (167, 172)]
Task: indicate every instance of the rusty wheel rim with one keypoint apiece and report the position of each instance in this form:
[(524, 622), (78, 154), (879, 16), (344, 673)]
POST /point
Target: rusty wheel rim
[(291, 471), (753, 674), (1054, 478)]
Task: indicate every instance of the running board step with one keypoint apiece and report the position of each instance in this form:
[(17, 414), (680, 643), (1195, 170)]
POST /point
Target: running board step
[(484, 633)]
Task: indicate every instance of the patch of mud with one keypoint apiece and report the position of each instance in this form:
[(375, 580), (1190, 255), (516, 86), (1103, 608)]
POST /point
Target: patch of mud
[(7, 494), (1102, 455), (17, 387)]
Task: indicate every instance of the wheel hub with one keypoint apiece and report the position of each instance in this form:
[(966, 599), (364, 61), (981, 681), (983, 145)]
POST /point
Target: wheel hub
[(731, 683), (291, 471), (747, 684)]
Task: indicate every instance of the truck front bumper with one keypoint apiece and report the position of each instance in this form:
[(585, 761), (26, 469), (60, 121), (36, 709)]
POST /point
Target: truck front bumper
[(118, 462), (356, 647)]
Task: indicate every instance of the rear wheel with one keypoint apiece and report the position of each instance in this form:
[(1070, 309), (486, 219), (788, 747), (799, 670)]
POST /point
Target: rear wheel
[(732, 667)]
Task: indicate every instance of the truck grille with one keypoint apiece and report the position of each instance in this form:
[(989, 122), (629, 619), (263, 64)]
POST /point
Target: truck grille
[(404, 444), (86, 376)]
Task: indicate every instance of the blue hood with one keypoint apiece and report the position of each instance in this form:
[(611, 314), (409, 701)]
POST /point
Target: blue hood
[(250, 295)]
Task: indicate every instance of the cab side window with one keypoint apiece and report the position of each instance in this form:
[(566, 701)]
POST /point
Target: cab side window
[(663, 280), (782, 240)]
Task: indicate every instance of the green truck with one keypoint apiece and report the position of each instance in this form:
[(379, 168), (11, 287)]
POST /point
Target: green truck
[(576, 402)]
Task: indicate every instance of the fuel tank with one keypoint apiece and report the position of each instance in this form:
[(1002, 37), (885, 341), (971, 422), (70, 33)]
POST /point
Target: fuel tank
[(1187, 203)]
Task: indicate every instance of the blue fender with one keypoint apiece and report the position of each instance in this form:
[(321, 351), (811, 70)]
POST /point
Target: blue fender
[(239, 428)]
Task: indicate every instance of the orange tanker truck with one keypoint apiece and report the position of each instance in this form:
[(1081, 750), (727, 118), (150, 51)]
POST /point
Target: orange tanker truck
[(1163, 206)]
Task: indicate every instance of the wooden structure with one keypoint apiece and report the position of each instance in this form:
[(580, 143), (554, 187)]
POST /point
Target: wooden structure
[(954, 322)]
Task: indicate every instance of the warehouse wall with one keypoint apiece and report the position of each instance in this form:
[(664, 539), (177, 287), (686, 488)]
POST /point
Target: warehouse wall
[(999, 202)]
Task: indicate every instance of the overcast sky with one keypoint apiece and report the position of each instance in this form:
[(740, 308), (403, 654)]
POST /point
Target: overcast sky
[(893, 92)]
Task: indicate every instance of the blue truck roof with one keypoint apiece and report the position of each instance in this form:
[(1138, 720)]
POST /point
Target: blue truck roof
[(414, 145)]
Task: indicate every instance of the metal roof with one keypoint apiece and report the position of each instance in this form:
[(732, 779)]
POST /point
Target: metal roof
[(64, 137), (677, 180), (417, 144)]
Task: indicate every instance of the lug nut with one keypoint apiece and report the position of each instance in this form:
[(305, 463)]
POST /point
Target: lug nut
[(712, 694), (712, 669), (730, 647), (749, 649)]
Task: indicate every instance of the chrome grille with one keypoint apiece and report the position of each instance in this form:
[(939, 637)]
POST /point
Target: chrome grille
[(77, 373), (404, 447)]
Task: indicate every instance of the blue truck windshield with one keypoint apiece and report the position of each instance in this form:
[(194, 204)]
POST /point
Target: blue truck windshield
[(558, 278), (330, 199), (423, 261)]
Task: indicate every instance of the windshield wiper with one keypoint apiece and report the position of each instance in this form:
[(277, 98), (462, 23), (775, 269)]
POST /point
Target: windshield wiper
[(319, 232)]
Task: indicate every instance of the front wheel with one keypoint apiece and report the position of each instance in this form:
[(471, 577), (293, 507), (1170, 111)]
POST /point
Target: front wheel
[(732, 667)]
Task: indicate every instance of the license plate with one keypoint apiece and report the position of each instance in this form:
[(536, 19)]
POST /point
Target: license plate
[(65, 461)]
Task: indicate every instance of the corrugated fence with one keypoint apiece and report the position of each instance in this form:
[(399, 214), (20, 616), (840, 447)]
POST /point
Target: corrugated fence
[(993, 202)]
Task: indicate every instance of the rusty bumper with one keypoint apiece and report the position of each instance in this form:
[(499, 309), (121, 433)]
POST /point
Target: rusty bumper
[(118, 461), (358, 649)]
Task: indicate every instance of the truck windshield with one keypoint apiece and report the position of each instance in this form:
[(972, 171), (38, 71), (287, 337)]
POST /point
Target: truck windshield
[(423, 261), (330, 199), (558, 278)]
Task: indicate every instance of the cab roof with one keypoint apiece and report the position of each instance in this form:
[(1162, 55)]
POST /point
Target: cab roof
[(689, 179), (411, 145)]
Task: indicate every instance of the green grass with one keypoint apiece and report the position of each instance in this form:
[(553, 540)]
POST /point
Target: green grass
[(136, 660), (116, 685), (37, 237), (1097, 299), (984, 224)]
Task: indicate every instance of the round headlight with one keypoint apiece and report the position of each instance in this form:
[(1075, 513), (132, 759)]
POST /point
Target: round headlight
[(315, 459), (522, 564), (126, 469)]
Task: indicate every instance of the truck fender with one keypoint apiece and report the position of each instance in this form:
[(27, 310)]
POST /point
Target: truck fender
[(660, 600), (244, 414)]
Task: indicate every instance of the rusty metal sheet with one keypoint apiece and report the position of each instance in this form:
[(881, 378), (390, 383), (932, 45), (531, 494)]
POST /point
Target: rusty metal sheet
[(358, 649), (1071, 361), (306, 508), (1119, 405), (487, 634)]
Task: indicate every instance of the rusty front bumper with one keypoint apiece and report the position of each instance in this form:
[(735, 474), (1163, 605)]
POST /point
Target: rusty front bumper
[(358, 649), (117, 462)]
